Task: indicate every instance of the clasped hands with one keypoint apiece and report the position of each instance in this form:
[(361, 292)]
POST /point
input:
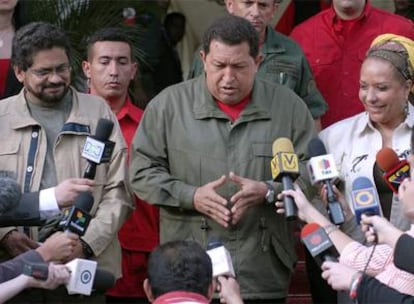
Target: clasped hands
[(225, 212)]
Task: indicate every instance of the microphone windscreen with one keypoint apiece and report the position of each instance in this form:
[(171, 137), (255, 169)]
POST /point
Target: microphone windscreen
[(362, 182), (282, 144), (387, 159), (84, 201), (308, 229), (104, 129), (103, 280), (10, 191), (316, 148)]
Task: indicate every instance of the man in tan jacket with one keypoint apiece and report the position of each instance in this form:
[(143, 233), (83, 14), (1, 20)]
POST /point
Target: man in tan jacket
[(44, 129)]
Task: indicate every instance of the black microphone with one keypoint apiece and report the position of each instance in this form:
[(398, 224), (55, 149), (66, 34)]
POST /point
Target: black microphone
[(321, 168), (285, 169), (76, 218), (403, 253), (98, 149), (10, 191), (318, 243), (103, 280), (220, 258), (364, 198)]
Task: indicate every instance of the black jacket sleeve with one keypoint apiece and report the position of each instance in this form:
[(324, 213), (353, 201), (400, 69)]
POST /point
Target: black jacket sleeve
[(403, 253), (370, 290), (26, 212), (12, 268)]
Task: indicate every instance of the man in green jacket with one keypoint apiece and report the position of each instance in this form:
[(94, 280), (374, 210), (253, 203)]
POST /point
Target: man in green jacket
[(283, 60), (202, 153)]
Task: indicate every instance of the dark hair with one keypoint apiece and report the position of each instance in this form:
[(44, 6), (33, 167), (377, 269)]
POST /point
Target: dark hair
[(169, 18), (35, 37), (179, 265), (232, 30), (115, 34), (20, 14)]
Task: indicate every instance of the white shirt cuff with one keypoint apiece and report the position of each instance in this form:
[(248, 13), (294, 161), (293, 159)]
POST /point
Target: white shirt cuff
[(47, 202)]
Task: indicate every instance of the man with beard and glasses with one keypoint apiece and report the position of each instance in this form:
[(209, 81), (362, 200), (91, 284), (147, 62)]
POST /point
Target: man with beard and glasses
[(44, 129)]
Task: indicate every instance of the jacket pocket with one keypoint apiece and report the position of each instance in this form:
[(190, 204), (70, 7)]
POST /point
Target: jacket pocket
[(9, 158), (262, 156), (287, 258), (284, 73)]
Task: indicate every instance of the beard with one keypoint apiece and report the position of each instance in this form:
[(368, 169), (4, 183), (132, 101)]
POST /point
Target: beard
[(49, 98)]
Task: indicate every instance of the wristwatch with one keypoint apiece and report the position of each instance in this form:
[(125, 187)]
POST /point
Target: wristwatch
[(87, 251), (270, 194)]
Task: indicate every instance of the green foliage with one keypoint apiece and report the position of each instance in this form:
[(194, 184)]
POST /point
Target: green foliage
[(80, 18)]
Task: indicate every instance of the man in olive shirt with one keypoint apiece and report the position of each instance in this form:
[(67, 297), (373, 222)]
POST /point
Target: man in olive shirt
[(202, 153)]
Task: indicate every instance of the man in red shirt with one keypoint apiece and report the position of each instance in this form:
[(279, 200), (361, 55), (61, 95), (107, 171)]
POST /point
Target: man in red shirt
[(109, 69), (335, 42)]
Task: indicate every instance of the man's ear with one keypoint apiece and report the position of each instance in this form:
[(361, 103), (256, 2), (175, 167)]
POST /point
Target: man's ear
[(229, 6), (86, 69), (203, 56), (19, 73), (134, 71), (148, 291), (211, 289)]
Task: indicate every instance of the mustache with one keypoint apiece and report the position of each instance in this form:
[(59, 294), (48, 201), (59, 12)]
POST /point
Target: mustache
[(54, 85)]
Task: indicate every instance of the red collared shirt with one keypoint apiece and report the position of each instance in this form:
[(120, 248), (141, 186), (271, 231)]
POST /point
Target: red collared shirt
[(140, 232), (181, 297), (335, 50)]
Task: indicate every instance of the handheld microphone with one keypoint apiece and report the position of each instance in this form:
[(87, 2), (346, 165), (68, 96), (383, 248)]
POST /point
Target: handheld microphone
[(318, 243), (321, 168), (10, 191), (85, 277), (285, 169), (395, 170), (364, 198), (220, 258), (76, 218), (98, 149)]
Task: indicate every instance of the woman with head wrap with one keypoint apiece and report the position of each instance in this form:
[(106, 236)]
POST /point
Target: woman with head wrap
[(386, 85)]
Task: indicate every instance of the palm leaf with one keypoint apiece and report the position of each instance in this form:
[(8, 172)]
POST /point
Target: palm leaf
[(80, 18)]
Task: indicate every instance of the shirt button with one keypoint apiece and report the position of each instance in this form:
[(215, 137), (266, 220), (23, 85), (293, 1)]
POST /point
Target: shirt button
[(35, 134), (29, 169)]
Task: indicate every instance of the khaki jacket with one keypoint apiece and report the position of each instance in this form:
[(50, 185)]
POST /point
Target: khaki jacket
[(23, 151)]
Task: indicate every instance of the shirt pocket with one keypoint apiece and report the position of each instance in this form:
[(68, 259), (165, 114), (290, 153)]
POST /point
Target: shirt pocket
[(323, 61)]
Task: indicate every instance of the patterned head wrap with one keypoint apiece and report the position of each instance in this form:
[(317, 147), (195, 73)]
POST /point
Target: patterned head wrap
[(398, 50)]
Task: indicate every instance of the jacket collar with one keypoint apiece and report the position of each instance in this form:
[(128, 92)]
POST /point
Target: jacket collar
[(205, 106), (22, 117), (365, 124), (271, 44), (129, 110)]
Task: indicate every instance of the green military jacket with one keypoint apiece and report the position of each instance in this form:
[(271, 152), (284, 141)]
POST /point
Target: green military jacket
[(283, 63), (185, 141)]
